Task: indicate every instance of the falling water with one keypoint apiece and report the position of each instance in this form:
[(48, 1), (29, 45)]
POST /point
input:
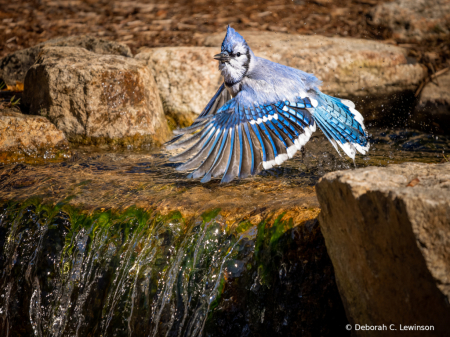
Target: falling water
[(141, 273)]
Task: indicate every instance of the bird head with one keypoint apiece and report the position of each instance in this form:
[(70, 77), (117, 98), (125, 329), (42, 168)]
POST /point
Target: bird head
[(234, 60)]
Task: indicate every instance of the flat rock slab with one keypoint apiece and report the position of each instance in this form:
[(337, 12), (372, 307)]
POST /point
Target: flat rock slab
[(414, 20), (387, 231), (14, 67), (96, 98), (28, 134), (347, 67), (118, 181), (187, 78)]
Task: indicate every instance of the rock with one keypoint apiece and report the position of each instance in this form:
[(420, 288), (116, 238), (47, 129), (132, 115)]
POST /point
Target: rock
[(387, 231), (14, 67), (28, 135), (96, 98), (414, 20), (187, 78), (347, 67), (437, 92), (434, 105)]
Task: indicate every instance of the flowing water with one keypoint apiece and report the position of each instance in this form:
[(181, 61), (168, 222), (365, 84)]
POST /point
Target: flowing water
[(121, 244)]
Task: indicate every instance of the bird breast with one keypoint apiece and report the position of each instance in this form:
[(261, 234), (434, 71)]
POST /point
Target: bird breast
[(234, 89)]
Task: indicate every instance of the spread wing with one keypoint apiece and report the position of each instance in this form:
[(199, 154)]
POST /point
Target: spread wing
[(218, 100), (239, 140)]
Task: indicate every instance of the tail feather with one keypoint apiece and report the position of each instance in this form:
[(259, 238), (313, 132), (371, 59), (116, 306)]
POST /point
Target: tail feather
[(341, 124)]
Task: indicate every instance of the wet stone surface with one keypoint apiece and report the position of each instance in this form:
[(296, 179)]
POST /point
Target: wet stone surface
[(30, 139)]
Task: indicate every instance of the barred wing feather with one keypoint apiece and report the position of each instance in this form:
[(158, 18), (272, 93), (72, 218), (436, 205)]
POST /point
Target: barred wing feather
[(241, 140)]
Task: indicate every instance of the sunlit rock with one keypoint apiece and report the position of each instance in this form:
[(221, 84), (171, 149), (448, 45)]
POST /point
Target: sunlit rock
[(387, 231), (96, 98), (24, 136), (414, 20), (187, 78), (14, 67), (347, 66)]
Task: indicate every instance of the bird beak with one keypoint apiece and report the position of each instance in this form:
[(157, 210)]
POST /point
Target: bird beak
[(222, 57)]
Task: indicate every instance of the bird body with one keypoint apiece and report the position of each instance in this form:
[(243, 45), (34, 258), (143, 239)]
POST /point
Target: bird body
[(261, 115)]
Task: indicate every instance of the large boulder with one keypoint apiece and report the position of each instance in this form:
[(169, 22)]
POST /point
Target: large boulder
[(347, 66), (414, 20), (24, 135), (96, 98), (14, 67), (187, 78), (387, 231)]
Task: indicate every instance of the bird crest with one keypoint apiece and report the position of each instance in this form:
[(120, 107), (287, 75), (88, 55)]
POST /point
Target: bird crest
[(231, 39)]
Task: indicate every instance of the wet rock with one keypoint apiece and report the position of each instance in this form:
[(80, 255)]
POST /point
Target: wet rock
[(24, 135), (414, 20), (347, 67), (145, 180), (187, 78), (96, 98), (387, 231), (25, 131), (434, 105), (437, 92), (14, 67)]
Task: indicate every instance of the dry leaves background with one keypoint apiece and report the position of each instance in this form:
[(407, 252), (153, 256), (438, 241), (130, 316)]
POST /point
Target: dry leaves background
[(163, 23), (180, 23)]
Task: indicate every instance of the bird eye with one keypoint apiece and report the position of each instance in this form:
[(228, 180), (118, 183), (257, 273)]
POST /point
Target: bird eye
[(238, 54)]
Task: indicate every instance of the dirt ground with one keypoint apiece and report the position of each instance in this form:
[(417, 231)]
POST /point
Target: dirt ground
[(179, 23), (174, 23)]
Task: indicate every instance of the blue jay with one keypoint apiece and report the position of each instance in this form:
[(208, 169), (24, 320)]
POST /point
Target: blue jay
[(262, 114)]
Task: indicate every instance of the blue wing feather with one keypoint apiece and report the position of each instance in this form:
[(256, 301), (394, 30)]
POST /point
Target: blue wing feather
[(248, 137)]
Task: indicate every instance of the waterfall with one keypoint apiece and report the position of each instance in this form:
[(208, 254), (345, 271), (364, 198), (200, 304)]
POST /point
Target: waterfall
[(65, 272)]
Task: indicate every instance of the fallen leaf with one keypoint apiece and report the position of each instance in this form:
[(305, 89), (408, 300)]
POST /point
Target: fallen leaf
[(17, 87), (413, 182)]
